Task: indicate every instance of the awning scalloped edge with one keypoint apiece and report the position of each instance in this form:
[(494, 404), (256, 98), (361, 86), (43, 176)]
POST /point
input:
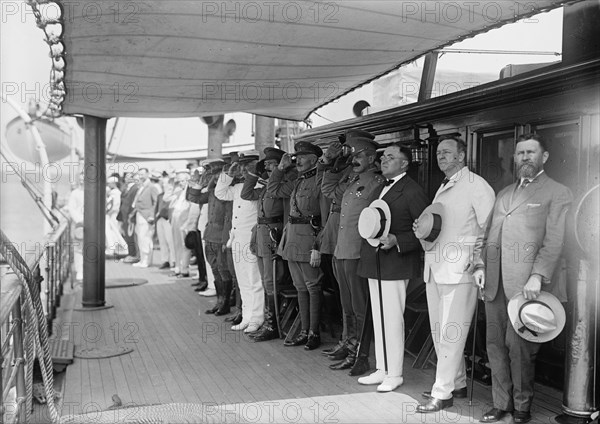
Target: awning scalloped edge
[(53, 32)]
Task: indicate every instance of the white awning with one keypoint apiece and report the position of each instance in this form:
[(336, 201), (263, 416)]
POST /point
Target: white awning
[(281, 59)]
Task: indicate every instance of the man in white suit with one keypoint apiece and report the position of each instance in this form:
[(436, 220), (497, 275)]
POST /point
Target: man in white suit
[(451, 293)]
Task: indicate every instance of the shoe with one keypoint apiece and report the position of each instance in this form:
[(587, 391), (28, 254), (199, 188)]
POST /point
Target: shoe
[(265, 333), (231, 318), (339, 354), (521, 416), (237, 319), (140, 265), (332, 350), (223, 309), (130, 260), (186, 275), (253, 327), (345, 364), (493, 415), (301, 339), (456, 394), (212, 310), (313, 342), (434, 405), (375, 378), (390, 384), (200, 286), (174, 274), (165, 265), (361, 366), (241, 326), (208, 293)]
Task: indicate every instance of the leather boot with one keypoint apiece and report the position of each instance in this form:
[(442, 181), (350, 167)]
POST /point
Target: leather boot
[(348, 362), (220, 299), (224, 306), (268, 331), (361, 366)]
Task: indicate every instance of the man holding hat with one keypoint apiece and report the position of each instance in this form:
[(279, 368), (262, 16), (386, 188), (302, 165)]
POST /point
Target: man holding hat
[(269, 227), (245, 262), (466, 200), (389, 257), (299, 243), (356, 189), (523, 244), (144, 207)]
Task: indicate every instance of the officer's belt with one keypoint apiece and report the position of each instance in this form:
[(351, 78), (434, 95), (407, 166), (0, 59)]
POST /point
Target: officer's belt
[(304, 220), (272, 220)]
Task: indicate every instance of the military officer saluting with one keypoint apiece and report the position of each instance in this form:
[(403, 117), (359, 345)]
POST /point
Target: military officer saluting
[(357, 189), (268, 231), (299, 243)]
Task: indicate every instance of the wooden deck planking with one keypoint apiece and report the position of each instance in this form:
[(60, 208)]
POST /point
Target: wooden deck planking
[(182, 355)]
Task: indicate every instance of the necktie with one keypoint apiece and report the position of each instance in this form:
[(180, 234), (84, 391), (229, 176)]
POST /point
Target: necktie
[(389, 182), (445, 181), (524, 184)]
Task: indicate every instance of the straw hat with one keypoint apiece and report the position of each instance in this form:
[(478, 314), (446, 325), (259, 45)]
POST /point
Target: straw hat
[(374, 222), (430, 225), (539, 320)]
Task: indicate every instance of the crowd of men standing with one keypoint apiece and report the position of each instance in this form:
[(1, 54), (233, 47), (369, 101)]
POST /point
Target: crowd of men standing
[(353, 209)]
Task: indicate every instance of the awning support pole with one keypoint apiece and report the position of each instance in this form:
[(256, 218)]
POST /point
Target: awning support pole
[(94, 212), (264, 135)]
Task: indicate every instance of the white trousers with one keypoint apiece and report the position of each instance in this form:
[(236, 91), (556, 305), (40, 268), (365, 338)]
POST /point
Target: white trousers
[(182, 253), (451, 308), (144, 232), (393, 294), (165, 239), (248, 278)]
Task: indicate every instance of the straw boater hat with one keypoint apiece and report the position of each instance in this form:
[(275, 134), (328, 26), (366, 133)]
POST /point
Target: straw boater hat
[(430, 225), (374, 222), (539, 320)]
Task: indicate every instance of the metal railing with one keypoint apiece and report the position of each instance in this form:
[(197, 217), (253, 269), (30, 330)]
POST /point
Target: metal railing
[(25, 325)]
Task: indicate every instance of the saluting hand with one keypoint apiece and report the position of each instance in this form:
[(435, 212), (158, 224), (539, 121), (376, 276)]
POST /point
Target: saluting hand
[(286, 162)]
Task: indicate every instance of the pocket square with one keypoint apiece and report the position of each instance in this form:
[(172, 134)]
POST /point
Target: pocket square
[(534, 205)]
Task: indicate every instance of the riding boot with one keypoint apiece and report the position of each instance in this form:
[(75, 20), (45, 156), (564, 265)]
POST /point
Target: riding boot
[(224, 305), (268, 331), (220, 299)]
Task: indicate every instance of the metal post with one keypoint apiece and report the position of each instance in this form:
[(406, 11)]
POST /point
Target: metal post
[(216, 135), (19, 359), (94, 211), (428, 76)]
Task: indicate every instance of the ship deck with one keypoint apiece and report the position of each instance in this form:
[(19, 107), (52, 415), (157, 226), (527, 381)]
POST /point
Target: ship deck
[(192, 366)]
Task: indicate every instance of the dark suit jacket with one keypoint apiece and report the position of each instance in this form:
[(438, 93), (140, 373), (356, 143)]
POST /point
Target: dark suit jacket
[(406, 200), (127, 197), (525, 235)]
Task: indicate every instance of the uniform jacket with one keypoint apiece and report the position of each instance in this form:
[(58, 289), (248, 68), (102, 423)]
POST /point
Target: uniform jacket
[(216, 211), (406, 200), (468, 200), (145, 200), (268, 206), (306, 201), (527, 227), (329, 235), (356, 191)]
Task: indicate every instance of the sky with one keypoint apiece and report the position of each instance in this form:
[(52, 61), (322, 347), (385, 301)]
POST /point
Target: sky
[(25, 65)]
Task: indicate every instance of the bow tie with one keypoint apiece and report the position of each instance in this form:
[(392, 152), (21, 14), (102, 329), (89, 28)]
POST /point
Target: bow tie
[(389, 182), (445, 181)]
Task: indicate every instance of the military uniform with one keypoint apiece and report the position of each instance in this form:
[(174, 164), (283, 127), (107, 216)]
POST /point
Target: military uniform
[(300, 236)]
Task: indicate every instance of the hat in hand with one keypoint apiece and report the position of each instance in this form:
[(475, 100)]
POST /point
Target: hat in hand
[(539, 320), (429, 225), (374, 222)]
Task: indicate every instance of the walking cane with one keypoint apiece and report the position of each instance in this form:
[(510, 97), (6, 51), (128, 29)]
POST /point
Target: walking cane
[(473, 349), (378, 262)]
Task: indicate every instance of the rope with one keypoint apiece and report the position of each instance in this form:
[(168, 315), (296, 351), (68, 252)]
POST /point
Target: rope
[(37, 337)]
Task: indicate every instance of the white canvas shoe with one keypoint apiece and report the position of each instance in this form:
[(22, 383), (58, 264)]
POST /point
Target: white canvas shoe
[(208, 293), (375, 378), (241, 326), (390, 384)]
